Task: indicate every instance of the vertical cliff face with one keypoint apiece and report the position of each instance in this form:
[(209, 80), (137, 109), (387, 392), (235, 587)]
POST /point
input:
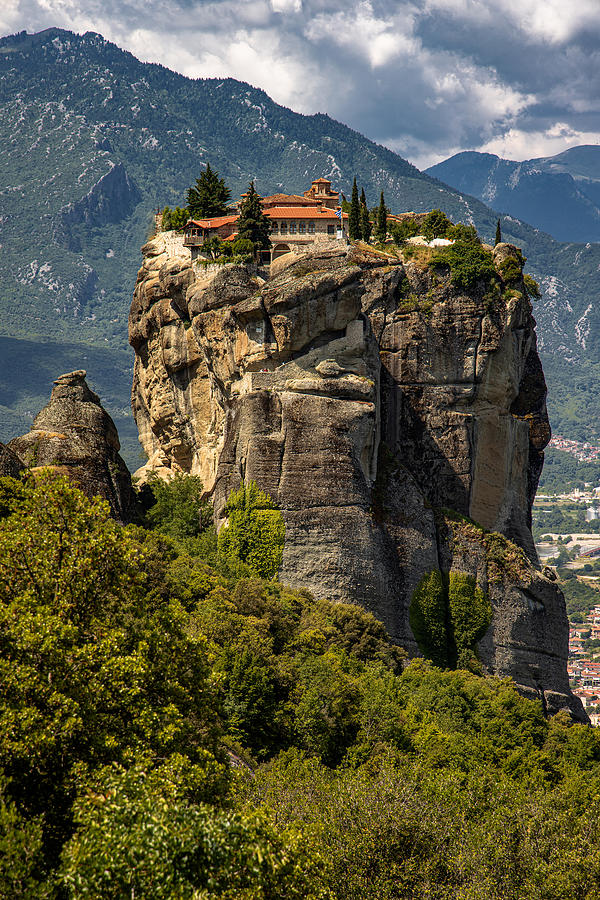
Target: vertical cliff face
[(383, 410)]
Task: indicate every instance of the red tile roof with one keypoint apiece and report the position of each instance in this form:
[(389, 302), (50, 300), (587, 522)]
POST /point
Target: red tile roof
[(301, 212), (212, 223), (290, 198)]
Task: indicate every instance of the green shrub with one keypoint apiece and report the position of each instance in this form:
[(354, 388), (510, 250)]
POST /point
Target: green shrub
[(427, 616), (467, 234), (213, 247), (174, 218), (244, 248), (403, 230), (179, 509), (468, 261), (470, 612), (511, 270), (533, 288), (436, 224), (255, 533), (448, 614)]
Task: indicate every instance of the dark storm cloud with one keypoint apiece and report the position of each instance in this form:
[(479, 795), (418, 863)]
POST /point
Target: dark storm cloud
[(426, 77)]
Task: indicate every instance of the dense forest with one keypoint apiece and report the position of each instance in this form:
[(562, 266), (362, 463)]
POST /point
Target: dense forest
[(175, 723)]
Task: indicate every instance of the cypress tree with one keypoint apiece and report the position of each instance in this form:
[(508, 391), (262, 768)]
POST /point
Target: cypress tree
[(498, 233), (354, 219), (252, 223), (363, 199), (365, 223), (381, 226)]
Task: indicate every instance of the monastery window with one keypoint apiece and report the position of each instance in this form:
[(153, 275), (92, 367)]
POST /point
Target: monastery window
[(311, 227), (302, 228), (331, 229), (292, 228), (275, 227), (284, 227)]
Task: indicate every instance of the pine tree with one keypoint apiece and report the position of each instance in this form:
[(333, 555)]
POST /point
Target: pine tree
[(498, 233), (252, 223), (381, 226), (365, 222), (209, 197), (354, 219)]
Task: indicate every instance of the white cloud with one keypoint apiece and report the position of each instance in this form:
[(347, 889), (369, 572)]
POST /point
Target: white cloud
[(518, 144), (425, 77), (286, 6), (359, 31), (554, 21)]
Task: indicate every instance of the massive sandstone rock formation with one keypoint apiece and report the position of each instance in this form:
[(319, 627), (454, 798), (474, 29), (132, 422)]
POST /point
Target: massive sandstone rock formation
[(383, 410), (75, 435)]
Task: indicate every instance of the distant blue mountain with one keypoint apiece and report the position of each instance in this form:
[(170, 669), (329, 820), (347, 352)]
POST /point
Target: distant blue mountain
[(559, 194)]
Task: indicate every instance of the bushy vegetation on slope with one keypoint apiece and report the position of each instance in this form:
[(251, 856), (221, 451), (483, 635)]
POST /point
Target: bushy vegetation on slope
[(170, 728)]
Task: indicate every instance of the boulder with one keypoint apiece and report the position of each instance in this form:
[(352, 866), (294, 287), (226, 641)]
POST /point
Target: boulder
[(75, 435)]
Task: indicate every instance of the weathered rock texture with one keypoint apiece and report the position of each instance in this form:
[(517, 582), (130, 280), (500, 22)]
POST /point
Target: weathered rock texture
[(75, 435), (367, 396), (10, 464)]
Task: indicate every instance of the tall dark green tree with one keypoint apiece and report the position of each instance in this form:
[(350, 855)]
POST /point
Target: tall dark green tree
[(381, 223), (363, 197), (365, 221), (354, 219), (252, 224), (209, 196), (498, 233)]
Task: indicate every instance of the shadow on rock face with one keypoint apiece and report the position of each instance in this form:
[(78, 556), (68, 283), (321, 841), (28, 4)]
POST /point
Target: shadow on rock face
[(366, 395)]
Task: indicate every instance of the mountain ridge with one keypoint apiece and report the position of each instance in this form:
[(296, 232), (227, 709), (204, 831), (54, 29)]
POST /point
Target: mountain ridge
[(553, 193), (76, 108)]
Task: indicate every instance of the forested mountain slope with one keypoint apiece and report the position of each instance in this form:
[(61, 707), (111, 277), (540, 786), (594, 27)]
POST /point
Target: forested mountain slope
[(559, 194), (92, 141)]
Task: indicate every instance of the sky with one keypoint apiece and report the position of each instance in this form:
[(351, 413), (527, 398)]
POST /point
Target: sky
[(427, 78)]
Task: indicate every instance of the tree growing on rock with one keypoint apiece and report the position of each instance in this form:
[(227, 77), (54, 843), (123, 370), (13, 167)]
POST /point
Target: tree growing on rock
[(252, 224), (354, 219), (209, 196), (436, 225), (498, 233), (174, 218), (365, 220), (255, 533), (381, 223)]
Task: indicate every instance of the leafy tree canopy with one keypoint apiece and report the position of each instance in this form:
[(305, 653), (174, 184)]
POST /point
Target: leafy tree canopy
[(174, 218), (94, 665), (384, 780), (139, 835), (255, 532)]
